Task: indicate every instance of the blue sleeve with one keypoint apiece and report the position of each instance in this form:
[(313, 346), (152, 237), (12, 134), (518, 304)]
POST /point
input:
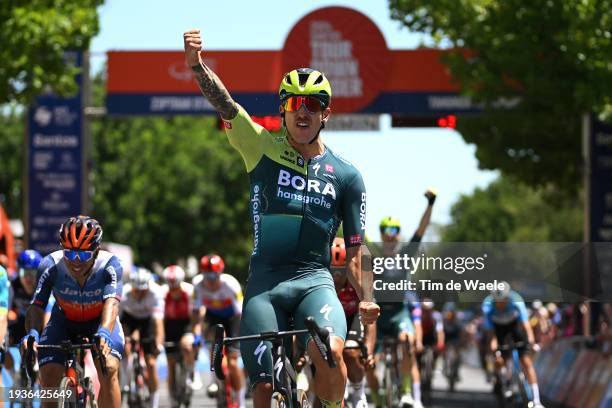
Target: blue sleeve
[(112, 280), (487, 310), (44, 285), (4, 290), (519, 304)]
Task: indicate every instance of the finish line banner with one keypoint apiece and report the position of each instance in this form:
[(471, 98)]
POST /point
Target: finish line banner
[(343, 43)]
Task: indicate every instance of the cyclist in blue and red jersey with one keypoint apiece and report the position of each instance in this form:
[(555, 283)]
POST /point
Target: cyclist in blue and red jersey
[(86, 283), (505, 316)]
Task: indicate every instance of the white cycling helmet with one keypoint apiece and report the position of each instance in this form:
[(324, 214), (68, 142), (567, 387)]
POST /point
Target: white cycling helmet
[(140, 278), (500, 294), (174, 275)]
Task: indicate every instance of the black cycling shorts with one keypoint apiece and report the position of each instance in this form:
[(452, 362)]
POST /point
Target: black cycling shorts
[(514, 331), (144, 326)]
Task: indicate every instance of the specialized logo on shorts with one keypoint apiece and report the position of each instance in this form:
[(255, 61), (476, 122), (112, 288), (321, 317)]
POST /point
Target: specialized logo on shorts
[(325, 311), (278, 366), (259, 351)]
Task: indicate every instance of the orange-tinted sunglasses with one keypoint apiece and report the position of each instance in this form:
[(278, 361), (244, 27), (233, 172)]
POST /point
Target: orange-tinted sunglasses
[(293, 104)]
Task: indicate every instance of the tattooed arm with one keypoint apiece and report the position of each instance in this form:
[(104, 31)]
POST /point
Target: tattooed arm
[(210, 84)]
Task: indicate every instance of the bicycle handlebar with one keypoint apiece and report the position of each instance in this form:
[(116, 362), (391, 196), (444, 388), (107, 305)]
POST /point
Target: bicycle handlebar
[(321, 338), (67, 348), (319, 335)]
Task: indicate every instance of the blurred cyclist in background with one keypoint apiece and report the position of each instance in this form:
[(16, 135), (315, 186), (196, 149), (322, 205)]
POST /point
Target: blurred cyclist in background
[(142, 311), (178, 296), (21, 290), (356, 334), (4, 299), (505, 316), (218, 300), (397, 318)]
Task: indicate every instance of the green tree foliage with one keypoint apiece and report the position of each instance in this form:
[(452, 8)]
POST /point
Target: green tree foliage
[(11, 159), (556, 55), (34, 35), (171, 187), (508, 210)]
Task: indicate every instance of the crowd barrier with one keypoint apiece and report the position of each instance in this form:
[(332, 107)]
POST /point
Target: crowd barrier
[(575, 373)]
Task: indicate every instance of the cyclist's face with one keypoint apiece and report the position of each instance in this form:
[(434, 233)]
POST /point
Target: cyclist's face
[(339, 275), (303, 125), (139, 294), (501, 304), (80, 268), (28, 279)]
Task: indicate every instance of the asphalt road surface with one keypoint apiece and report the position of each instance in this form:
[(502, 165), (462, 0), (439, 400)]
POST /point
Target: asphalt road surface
[(471, 392)]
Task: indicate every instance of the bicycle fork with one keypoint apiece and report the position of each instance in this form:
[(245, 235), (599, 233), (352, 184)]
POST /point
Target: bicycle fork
[(283, 374)]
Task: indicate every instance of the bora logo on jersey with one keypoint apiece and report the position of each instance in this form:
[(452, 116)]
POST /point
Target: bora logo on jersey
[(299, 183)]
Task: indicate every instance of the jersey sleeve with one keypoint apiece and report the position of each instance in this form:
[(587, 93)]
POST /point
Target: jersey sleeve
[(519, 304), (487, 309), (247, 137), (237, 290), (354, 212), (4, 291), (44, 285), (158, 307), (113, 274)]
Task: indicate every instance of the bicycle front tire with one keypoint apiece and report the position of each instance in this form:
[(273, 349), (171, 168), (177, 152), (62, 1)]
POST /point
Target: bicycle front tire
[(303, 400), (279, 401), (66, 389)]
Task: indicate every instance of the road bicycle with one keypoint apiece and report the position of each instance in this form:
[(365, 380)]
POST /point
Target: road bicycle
[(284, 389), (136, 390), (75, 389), (391, 371), (181, 392), (514, 389)]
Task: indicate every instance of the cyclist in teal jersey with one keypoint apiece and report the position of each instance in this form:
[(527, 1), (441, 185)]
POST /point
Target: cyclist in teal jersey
[(300, 193), (402, 320)]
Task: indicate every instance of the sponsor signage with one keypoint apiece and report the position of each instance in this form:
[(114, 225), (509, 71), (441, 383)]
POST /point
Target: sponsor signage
[(55, 157), (366, 76)]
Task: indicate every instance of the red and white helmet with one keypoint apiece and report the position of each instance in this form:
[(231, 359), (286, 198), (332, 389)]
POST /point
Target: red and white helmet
[(212, 263), (174, 275)]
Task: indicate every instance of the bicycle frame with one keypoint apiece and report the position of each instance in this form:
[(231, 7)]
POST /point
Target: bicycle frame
[(283, 373), (517, 376), (74, 370)]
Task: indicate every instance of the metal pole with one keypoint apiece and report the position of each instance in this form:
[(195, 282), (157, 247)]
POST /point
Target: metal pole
[(586, 253)]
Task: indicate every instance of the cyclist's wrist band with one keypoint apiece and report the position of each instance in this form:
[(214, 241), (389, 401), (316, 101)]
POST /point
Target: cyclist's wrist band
[(197, 68), (105, 334)]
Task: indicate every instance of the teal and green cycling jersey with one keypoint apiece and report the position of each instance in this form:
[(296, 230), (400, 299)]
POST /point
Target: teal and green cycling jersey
[(297, 204)]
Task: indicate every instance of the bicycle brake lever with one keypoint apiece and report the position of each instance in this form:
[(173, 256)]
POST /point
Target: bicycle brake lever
[(101, 357), (321, 338), (217, 353)]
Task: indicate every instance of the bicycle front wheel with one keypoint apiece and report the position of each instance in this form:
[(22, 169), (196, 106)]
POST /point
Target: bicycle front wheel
[(303, 400), (279, 401), (67, 394)]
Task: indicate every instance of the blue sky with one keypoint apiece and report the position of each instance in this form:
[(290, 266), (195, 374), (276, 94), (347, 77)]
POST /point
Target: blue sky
[(397, 165)]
